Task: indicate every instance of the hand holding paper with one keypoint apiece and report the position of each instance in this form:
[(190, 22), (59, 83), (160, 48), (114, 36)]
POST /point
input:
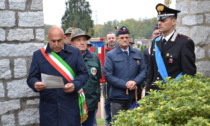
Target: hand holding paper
[(68, 88), (52, 81), (39, 86)]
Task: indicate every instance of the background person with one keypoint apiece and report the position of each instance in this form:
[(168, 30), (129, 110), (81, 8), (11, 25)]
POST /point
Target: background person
[(89, 44), (156, 32), (58, 106), (131, 43), (110, 44), (92, 87), (68, 35)]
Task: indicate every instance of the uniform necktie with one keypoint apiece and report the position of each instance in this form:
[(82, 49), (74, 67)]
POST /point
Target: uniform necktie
[(164, 41), (126, 52)]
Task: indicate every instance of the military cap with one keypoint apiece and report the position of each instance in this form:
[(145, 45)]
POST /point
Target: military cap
[(122, 30), (79, 32), (156, 27), (165, 12), (69, 30)]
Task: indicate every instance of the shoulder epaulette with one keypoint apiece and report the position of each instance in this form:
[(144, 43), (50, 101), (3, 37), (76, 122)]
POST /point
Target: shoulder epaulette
[(184, 36)]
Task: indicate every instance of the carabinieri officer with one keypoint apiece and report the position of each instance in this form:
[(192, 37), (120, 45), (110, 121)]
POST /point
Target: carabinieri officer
[(176, 51)]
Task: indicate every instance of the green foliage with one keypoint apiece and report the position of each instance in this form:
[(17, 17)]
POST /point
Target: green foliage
[(138, 28), (78, 15), (46, 29), (141, 48), (108, 27), (179, 103)]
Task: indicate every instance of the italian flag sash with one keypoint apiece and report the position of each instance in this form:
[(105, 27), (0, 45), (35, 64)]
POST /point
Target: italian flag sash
[(67, 72)]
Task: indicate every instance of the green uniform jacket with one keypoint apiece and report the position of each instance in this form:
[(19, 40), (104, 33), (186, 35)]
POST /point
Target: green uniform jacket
[(92, 86)]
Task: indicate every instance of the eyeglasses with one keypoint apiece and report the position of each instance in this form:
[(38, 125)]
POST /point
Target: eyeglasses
[(124, 37), (157, 33)]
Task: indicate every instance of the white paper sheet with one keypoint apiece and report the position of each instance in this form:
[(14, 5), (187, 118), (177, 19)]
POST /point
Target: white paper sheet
[(52, 81)]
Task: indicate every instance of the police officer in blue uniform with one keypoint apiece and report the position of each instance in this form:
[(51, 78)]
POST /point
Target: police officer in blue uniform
[(177, 50)]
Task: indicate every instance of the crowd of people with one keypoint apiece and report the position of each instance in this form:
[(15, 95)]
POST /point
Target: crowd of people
[(126, 69)]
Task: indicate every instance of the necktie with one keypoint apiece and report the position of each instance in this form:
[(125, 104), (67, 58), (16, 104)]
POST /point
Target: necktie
[(126, 52), (163, 42)]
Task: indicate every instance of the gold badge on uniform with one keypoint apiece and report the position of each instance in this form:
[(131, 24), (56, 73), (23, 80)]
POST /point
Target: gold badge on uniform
[(160, 8)]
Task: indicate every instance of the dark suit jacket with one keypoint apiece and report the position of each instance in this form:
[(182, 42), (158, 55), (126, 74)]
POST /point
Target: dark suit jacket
[(178, 56)]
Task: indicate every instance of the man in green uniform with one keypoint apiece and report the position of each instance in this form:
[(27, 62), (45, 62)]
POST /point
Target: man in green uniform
[(92, 87)]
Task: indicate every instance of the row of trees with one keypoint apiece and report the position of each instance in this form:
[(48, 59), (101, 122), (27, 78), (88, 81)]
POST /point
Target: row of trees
[(138, 28), (78, 14)]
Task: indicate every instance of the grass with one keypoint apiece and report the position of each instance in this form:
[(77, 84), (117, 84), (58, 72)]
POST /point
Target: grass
[(100, 122)]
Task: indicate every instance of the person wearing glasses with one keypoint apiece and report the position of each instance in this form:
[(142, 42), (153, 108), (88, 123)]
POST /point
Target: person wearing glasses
[(156, 32), (147, 51), (172, 54), (125, 71)]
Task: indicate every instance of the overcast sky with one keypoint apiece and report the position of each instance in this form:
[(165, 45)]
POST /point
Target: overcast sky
[(104, 10)]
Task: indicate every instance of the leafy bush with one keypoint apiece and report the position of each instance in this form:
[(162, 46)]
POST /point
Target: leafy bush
[(180, 103)]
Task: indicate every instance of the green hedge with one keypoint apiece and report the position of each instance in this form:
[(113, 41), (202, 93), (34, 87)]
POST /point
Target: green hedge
[(179, 103)]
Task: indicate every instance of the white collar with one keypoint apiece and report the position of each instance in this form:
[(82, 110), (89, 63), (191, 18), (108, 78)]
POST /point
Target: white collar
[(168, 36), (126, 50)]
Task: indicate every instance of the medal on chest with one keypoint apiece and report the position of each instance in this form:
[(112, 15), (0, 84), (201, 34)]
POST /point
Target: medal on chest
[(171, 60)]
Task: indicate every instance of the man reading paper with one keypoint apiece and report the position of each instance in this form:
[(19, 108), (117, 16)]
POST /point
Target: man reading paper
[(58, 106)]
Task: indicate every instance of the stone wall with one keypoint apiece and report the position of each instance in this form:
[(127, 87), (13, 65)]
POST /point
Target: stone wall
[(194, 21), (21, 33)]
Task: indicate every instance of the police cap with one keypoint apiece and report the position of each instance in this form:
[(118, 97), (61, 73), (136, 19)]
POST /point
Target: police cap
[(122, 30), (165, 12)]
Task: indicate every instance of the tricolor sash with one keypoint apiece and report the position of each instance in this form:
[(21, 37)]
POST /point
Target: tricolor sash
[(160, 63), (59, 64), (67, 72)]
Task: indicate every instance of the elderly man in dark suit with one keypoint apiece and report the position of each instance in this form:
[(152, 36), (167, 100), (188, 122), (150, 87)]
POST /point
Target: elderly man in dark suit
[(124, 70)]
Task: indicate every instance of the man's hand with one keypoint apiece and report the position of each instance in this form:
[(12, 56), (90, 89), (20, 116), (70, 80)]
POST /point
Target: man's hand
[(131, 85), (39, 86), (69, 87)]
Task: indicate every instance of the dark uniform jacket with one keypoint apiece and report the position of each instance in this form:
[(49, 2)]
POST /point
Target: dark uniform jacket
[(120, 68), (178, 56), (92, 86), (58, 108)]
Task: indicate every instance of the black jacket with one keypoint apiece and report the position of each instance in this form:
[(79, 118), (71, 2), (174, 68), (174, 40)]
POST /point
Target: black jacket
[(178, 56)]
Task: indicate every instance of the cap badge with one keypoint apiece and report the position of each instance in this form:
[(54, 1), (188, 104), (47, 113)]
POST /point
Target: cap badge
[(160, 8), (124, 28)]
